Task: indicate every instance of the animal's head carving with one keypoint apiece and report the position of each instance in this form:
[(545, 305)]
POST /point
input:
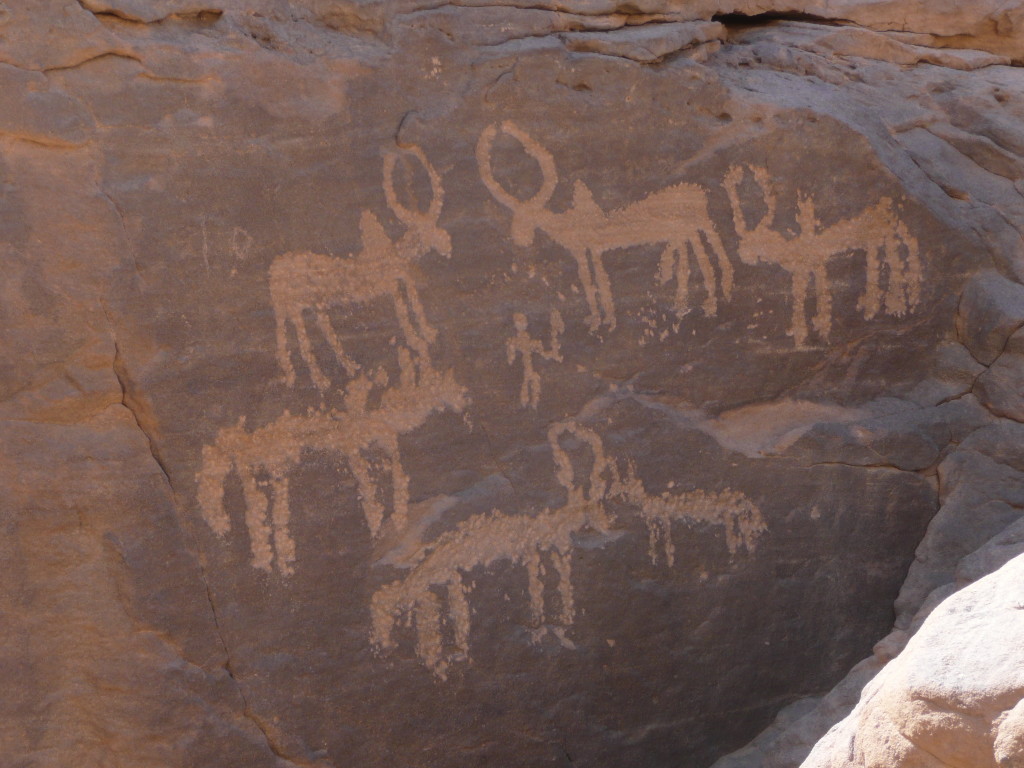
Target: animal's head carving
[(526, 214), (423, 230)]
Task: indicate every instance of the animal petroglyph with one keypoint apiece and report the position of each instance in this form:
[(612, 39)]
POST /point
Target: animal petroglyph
[(522, 344), (445, 564), (383, 268), (735, 512), (487, 539), (893, 278), (275, 449), (675, 218)]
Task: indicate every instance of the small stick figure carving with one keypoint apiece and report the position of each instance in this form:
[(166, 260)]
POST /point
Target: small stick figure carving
[(522, 344)]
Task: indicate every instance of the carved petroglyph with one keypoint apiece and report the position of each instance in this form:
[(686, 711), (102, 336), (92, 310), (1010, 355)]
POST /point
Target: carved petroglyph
[(444, 565), (305, 281), (484, 540), (676, 219), (523, 345), (893, 279), (736, 513), (275, 449)]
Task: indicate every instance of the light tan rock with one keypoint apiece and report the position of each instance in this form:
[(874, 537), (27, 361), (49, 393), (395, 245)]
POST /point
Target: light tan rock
[(953, 697)]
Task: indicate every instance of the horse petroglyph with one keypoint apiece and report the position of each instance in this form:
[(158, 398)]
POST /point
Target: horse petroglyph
[(676, 219), (522, 344), (383, 268), (275, 449), (445, 564), (893, 277)]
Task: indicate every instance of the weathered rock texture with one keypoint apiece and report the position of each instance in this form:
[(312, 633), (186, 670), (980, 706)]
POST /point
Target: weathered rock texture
[(954, 697), (513, 384)]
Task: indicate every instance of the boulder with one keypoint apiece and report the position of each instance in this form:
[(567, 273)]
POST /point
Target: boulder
[(953, 696)]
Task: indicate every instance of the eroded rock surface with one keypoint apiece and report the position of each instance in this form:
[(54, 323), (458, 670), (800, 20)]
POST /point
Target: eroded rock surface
[(953, 696), (446, 384)]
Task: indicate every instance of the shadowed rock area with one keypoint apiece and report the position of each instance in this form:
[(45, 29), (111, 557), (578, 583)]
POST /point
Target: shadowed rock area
[(519, 384)]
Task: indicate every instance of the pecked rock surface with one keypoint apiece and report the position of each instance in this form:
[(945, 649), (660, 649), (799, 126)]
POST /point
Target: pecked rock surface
[(460, 384)]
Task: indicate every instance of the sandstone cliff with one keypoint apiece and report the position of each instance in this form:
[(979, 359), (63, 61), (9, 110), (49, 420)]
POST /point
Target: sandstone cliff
[(506, 383)]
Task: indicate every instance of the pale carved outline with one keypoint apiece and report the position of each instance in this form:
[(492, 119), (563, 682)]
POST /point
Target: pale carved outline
[(676, 218), (523, 345), (434, 594), (276, 449), (304, 281), (878, 231)]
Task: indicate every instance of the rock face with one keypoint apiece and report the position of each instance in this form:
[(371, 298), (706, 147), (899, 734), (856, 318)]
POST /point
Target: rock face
[(954, 697), (404, 383)]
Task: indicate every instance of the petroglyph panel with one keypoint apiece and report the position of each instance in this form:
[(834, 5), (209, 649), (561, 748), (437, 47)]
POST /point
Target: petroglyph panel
[(293, 246)]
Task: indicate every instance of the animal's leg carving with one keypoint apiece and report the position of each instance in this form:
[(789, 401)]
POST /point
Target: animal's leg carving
[(707, 272), (714, 242), (460, 613), (323, 321), (897, 297), (256, 520), (216, 465), (284, 545), (399, 482), (284, 358), (582, 258), (412, 336), (798, 323), (306, 351), (418, 314), (563, 565), (675, 263), (428, 633), (386, 610), (870, 302), (372, 508), (604, 288), (661, 532), (536, 587), (822, 320)]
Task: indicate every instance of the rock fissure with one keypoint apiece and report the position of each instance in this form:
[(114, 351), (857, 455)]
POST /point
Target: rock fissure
[(127, 400)]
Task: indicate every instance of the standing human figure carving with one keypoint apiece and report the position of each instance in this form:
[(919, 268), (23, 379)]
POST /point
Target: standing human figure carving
[(305, 281), (523, 345), (676, 218)]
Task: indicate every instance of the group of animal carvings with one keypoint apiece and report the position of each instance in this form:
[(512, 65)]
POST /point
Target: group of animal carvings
[(357, 434), (530, 541), (678, 221), (353, 434)]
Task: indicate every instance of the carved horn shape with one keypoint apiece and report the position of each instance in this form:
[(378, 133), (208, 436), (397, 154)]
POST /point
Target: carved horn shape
[(411, 216), (545, 160)]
